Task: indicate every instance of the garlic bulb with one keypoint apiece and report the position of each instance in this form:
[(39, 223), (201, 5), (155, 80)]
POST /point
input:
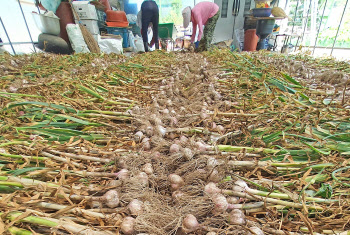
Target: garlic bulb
[(138, 136), (183, 139), (211, 189), (149, 131), (236, 217), (112, 198), (256, 231), (135, 207), (212, 162), (174, 148), (240, 186), (148, 169), (220, 202), (161, 130), (187, 154), (176, 181), (127, 226), (190, 224), (142, 178)]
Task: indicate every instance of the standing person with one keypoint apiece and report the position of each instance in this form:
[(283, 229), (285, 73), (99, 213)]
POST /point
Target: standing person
[(149, 14), (203, 14)]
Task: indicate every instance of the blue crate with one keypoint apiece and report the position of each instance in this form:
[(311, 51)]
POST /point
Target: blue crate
[(122, 32)]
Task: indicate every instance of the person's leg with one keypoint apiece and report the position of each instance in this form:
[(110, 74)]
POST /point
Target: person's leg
[(203, 42), (211, 28), (208, 33), (155, 22), (145, 23), (146, 19)]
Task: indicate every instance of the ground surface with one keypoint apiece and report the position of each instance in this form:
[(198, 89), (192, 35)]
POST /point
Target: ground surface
[(83, 136)]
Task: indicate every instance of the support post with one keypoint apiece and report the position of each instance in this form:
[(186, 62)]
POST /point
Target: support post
[(8, 38), (305, 26), (25, 21), (341, 20), (38, 9), (319, 27), (295, 16), (313, 16)]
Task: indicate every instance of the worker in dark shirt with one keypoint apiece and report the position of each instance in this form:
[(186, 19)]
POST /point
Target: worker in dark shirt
[(150, 14)]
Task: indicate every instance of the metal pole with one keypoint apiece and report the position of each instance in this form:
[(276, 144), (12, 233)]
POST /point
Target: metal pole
[(25, 21), (295, 16), (36, 2), (319, 27), (341, 19), (285, 5), (8, 38), (14, 43), (313, 19), (305, 26), (38, 9), (235, 12)]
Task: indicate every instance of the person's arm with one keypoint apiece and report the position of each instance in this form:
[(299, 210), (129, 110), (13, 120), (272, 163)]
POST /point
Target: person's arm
[(194, 31), (200, 33)]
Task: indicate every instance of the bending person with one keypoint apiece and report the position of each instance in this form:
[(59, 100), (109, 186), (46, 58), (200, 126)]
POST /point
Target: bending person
[(203, 14), (149, 14)]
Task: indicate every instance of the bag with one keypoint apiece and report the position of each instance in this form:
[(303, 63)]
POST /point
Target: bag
[(112, 45), (139, 47), (131, 39), (132, 18), (76, 38)]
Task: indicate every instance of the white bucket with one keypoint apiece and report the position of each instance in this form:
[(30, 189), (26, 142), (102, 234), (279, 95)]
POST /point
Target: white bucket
[(47, 24)]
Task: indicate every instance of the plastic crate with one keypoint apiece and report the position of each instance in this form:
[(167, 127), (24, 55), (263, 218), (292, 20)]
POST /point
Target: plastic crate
[(122, 32), (85, 10), (91, 25), (166, 30)]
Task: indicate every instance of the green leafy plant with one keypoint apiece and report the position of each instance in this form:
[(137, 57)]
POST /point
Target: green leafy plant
[(325, 191)]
